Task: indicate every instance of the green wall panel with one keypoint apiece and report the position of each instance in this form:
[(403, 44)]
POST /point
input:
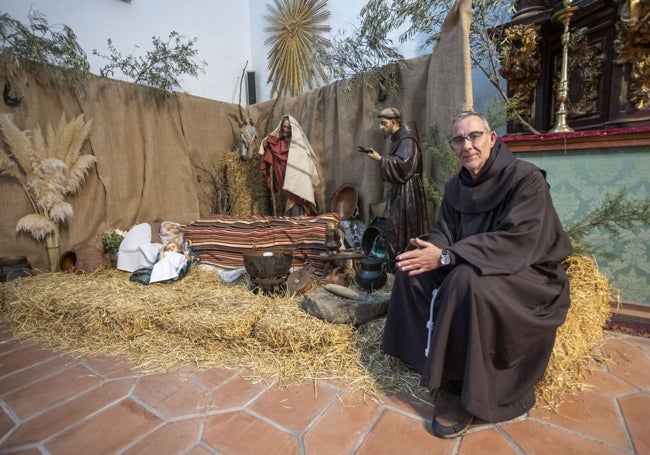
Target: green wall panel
[(579, 181)]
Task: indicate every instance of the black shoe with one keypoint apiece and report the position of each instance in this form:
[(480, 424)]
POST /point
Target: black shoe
[(450, 419)]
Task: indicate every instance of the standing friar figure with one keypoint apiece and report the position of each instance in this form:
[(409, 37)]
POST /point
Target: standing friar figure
[(406, 206)]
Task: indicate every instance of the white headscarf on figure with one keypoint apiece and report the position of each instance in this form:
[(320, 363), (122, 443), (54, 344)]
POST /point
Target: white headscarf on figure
[(301, 175), (171, 232)]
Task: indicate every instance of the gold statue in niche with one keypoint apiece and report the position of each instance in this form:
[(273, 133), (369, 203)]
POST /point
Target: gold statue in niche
[(631, 12), (632, 45), (521, 65)]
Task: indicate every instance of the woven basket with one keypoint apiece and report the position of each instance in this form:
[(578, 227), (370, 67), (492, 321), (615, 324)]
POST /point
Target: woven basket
[(268, 263)]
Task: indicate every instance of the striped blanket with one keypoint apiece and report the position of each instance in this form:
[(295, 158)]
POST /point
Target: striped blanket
[(221, 240)]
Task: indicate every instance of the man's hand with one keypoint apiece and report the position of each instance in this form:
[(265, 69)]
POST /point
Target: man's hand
[(422, 257)]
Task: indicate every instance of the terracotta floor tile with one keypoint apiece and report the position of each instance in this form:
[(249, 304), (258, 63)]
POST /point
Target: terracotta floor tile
[(641, 342), (342, 426), (409, 404), (603, 381), (628, 361), (107, 432), (112, 367), (6, 333), (24, 357), (55, 420), (172, 438), (212, 377), (257, 416), (396, 433), (171, 395), (294, 406), (40, 395), (6, 423), (489, 441), (34, 373), (536, 438), (241, 433), (29, 451), (236, 393), (636, 411), (198, 450), (9, 344), (590, 414)]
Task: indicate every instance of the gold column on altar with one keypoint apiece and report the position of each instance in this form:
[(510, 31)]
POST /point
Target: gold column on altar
[(563, 16)]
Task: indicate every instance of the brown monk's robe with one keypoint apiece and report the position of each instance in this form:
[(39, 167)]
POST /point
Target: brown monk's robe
[(406, 206), (499, 304)]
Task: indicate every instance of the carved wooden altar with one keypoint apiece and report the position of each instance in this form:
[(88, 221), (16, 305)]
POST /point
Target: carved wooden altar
[(608, 64)]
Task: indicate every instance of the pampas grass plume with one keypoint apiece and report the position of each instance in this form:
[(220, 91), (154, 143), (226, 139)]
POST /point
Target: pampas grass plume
[(36, 225)]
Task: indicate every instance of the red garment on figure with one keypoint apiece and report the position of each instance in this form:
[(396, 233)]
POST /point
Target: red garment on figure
[(275, 157)]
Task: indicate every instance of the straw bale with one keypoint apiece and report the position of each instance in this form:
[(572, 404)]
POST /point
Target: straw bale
[(289, 328), (204, 322), (196, 321), (581, 334)]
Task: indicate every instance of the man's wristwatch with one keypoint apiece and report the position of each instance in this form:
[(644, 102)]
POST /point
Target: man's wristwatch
[(444, 258)]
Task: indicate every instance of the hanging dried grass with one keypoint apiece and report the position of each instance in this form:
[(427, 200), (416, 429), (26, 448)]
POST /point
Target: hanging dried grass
[(203, 322)]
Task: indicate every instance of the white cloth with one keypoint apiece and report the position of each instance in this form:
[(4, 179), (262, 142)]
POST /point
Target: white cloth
[(150, 252), (168, 267), (129, 256), (301, 174)]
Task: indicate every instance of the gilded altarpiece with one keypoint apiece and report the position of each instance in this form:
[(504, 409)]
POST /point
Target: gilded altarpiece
[(608, 65)]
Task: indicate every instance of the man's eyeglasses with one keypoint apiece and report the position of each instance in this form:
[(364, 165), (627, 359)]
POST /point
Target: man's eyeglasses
[(459, 141)]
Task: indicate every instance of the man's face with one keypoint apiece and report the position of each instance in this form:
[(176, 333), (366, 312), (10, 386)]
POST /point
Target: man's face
[(472, 143), (286, 128), (387, 126)]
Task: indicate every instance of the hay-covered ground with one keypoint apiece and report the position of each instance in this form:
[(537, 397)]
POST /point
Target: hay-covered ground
[(203, 322)]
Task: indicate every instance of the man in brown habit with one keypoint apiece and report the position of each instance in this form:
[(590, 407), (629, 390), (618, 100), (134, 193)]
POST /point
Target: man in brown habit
[(490, 266), (406, 209)]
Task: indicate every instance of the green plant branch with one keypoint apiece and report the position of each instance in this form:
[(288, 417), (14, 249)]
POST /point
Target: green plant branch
[(614, 215), (56, 48), (160, 68)]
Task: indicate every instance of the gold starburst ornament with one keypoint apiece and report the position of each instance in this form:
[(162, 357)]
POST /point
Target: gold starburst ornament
[(295, 28)]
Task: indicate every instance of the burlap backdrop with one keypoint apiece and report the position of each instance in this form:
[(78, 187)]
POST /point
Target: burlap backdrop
[(149, 152)]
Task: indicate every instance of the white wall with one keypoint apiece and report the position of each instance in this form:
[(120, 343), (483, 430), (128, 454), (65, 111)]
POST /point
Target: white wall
[(230, 34), (221, 26)]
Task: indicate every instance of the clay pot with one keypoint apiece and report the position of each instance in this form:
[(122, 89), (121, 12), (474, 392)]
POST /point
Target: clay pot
[(85, 258)]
